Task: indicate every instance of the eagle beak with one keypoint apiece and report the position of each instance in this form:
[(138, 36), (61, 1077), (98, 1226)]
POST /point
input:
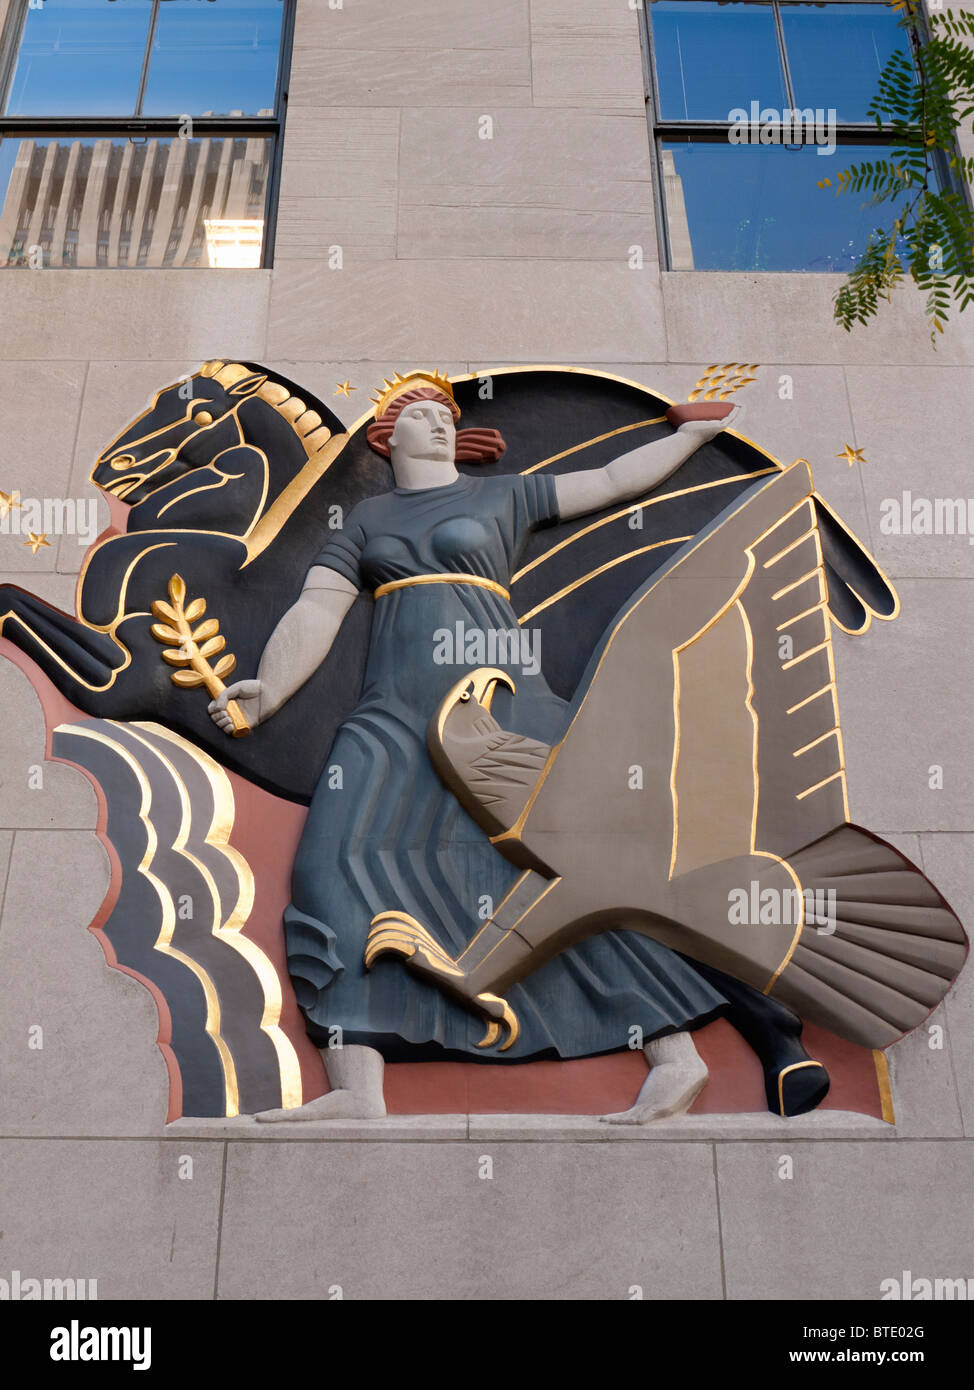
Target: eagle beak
[(480, 686)]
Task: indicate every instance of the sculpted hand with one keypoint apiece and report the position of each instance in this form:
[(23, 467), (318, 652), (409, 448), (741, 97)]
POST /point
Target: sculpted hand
[(247, 695), (704, 430)]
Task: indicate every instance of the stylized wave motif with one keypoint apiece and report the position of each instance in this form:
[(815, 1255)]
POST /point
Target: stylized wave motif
[(184, 897)]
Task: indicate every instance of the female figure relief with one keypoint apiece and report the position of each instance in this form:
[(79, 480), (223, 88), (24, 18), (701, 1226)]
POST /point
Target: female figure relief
[(383, 832)]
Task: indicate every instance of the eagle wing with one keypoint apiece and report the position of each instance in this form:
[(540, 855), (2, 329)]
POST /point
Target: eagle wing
[(717, 680), (759, 775), (770, 642)]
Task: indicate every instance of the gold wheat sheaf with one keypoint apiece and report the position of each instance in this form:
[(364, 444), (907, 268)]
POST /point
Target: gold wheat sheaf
[(190, 648), (720, 381)]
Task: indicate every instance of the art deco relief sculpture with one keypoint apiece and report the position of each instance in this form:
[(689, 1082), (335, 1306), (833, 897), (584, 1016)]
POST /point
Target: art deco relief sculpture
[(558, 686)]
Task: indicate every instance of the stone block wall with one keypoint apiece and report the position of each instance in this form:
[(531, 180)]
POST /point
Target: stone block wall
[(462, 253)]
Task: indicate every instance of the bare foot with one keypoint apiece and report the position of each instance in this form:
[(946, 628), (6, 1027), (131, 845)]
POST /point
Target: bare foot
[(677, 1075), (336, 1105)]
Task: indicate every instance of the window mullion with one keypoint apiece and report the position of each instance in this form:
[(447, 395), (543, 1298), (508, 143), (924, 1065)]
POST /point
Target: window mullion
[(783, 54), (8, 56), (241, 127), (273, 190), (144, 75)]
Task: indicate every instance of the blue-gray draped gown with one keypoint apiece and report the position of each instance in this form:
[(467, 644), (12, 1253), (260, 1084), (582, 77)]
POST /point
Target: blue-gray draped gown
[(384, 833)]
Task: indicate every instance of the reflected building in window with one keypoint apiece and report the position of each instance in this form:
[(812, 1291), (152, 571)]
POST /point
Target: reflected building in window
[(677, 225), (758, 203), (116, 202)]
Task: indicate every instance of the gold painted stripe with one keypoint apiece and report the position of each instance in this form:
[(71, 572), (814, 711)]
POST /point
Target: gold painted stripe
[(286, 503), (733, 601), (809, 698), (845, 781), (674, 795), (592, 574), (787, 590), (885, 1089), (749, 706), (815, 608), (442, 579), (587, 443), (789, 548), (800, 796), (801, 918), (516, 830), (123, 590), (204, 487), (787, 665), (816, 741), (715, 618), (627, 511)]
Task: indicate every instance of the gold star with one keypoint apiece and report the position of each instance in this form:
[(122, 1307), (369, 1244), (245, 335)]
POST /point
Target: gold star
[(36, 541), (8, 500), (851, 455), (345, 388)]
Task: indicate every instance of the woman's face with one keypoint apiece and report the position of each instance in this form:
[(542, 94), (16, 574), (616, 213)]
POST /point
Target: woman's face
[(425, 430)]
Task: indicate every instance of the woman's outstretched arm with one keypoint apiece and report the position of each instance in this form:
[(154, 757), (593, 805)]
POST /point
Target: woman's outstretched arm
[(637, 472), (294, 651)]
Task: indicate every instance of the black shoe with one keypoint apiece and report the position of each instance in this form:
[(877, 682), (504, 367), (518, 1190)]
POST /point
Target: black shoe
[(796, 1088)]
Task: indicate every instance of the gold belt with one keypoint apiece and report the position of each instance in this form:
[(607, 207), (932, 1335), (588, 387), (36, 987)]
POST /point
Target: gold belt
[(442, 579)]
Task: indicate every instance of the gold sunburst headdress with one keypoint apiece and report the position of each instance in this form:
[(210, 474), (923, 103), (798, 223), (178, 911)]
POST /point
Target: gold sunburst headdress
[(477, 445), (389, 390)]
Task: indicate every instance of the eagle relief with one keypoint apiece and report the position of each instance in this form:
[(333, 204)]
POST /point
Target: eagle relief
[(497, 731)]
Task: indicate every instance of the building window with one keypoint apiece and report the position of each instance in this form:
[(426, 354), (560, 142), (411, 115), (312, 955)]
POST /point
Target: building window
[(141, 132), (751, 104)]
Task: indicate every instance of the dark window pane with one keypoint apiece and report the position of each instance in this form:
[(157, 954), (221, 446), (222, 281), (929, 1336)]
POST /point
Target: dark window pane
[(219, 58), (713, 58), (98, 201), (836, 53), (758, 207), (80, 58)]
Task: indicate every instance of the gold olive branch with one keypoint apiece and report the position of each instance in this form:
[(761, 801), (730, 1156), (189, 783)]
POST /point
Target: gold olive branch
[(191, 647)]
